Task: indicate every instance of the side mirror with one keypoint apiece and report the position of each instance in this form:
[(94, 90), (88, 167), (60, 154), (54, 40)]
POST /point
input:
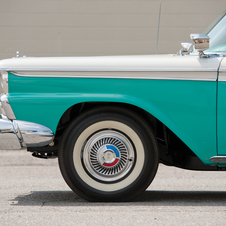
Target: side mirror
[(186, 46), (201, 42)]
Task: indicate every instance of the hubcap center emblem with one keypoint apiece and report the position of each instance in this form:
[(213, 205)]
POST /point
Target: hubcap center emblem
[(109, 156)]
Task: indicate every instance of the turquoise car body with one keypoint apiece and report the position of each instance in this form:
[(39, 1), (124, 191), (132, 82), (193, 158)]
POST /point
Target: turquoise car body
[(185, 93), (184, 107), (189, 108)]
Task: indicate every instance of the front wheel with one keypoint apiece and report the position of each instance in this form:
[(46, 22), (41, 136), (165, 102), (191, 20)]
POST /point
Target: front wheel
[(108, 154)]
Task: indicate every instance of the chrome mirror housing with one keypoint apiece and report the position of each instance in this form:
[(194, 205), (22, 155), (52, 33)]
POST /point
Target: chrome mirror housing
[(186, 48), (201, 42)]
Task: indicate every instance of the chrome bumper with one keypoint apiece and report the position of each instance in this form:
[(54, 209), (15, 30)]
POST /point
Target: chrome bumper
[(16, 134)]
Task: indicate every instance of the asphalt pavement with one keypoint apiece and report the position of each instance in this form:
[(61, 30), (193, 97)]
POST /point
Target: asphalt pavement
[(33, 192)]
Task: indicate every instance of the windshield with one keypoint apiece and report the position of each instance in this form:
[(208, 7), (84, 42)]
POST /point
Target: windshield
[(217, 32)]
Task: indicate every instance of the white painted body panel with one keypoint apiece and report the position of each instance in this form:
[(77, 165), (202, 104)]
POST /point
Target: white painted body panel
[(113, 63), (222, 71)]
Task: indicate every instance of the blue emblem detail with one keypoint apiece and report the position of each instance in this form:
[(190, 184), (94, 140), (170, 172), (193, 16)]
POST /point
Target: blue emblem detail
[(110, 147)]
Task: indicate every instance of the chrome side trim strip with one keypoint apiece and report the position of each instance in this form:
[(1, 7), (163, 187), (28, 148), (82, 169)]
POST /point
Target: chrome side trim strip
[(157, 75), (6, 108), (218, 159), (116, 69)]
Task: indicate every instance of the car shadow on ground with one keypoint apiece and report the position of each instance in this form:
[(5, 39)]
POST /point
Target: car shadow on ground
[(153, 198)]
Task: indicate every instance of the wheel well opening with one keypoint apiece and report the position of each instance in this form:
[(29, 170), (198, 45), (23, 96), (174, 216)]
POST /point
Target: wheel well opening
[(74, 111), (172, 150)]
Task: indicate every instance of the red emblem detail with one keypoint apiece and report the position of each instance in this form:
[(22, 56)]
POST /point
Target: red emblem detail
[(110, 164)]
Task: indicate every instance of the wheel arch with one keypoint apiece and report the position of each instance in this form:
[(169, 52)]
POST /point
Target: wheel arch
[(165, 133), (140, 107), (77, 109), (157, 124)]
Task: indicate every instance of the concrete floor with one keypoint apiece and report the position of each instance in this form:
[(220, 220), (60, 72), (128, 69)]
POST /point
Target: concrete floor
[(33, 192)]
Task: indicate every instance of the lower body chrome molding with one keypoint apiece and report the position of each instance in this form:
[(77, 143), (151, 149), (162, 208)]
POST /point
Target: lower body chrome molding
[(18, 134), (218, 159)]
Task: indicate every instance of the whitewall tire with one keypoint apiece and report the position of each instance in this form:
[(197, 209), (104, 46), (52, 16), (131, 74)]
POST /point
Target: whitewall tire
[(108, 154)]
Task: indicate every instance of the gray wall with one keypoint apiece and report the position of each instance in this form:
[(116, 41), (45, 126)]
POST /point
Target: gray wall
[(78, 27), (100, 27)]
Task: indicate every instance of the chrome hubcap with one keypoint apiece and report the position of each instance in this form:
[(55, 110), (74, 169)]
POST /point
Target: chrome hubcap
[(108, 155)]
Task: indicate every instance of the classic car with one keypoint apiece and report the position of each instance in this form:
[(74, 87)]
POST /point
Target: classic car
[(111, 120)]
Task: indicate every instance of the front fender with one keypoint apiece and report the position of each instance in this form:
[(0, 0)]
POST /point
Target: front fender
[(188, 108)]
